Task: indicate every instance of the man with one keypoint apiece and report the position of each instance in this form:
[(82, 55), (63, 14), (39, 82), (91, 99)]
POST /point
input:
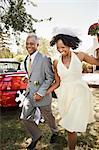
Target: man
[(41, 76)]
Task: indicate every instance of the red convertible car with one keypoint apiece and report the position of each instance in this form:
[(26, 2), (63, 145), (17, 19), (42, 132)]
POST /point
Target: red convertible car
[(10, 81)]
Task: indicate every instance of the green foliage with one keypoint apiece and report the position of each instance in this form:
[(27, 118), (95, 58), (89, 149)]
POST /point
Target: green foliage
[(4, 40), (19, 57), (43, 45), (13, 134), (90, 138), (94, 29), (13, 15), (22, 48), (16, 17), (4, 45), (5, 53), (87, 68)]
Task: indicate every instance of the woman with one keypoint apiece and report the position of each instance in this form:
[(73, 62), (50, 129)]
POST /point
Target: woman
[(74, 97)]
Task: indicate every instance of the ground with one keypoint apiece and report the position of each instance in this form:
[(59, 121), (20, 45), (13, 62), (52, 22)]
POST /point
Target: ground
[(13, 135)]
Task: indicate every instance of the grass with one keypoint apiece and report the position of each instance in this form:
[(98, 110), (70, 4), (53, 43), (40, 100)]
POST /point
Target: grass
[(11, 130), (13, 135)]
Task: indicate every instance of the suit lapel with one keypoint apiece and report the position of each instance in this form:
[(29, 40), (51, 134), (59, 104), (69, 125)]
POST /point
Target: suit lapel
[(25, 66), (35, 62)]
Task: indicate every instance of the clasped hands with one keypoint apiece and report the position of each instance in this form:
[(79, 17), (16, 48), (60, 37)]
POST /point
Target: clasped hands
[(37, 97)]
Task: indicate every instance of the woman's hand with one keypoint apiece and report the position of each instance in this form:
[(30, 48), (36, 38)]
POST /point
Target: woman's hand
[(56, 82)]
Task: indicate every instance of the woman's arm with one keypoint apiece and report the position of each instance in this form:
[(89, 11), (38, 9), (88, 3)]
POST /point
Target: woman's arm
[(56, 82), (89, 59)]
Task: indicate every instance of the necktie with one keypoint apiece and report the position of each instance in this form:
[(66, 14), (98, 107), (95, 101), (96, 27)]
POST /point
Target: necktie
[(29, 66)]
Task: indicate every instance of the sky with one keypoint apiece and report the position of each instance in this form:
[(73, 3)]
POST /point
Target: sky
[(68, 13), (78, 14)]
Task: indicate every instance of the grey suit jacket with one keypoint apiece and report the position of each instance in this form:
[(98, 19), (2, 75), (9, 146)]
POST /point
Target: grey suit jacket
[(40, 79)]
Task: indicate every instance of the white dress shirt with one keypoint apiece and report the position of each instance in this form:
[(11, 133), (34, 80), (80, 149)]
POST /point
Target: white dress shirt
[(32, 58)]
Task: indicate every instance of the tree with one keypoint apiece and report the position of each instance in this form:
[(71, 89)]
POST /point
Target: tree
[(5, 53), (43, 45), (4, 40), (45, 48), (5, 46), (14, 19), (13, 15)]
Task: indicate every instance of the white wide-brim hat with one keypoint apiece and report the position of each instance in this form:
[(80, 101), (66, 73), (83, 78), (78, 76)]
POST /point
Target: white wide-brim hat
[(65, 31)]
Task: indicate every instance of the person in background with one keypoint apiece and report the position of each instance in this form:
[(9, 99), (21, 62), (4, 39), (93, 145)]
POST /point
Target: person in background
[(40, 77), (75, 100)]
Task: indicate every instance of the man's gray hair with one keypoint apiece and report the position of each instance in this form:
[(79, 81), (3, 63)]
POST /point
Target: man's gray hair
[(34, 36)]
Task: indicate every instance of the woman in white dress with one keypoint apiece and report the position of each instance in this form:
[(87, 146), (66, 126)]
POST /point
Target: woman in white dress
[(74, 97)]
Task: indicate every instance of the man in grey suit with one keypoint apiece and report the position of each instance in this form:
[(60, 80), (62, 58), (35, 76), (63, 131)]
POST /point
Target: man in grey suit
[(40, 77)]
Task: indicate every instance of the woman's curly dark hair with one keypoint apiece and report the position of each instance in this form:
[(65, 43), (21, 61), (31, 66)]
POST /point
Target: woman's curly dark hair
[(68, 40)]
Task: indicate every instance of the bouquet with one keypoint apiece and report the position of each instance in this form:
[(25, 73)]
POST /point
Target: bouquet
[(94, 30)]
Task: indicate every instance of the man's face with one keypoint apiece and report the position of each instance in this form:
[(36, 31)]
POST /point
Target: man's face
[(31, 45)]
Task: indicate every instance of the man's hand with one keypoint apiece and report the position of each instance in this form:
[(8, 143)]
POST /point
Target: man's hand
[(37, 97), (25, 80)]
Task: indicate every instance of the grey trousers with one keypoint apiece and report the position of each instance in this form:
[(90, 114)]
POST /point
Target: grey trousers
[(27, 117)]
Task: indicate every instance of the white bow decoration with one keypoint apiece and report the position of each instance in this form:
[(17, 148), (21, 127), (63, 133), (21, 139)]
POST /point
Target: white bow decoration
[(20, 98)]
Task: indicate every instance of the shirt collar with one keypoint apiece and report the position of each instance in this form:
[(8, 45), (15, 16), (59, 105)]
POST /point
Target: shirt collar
[(33, 55)]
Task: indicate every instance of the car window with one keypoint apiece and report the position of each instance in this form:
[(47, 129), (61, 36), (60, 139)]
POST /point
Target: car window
[(9, 67)]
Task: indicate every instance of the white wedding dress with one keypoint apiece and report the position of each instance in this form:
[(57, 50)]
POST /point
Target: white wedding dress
[(75, 100)]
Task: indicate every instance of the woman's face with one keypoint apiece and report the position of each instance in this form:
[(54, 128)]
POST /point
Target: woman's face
[(63, 49)]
